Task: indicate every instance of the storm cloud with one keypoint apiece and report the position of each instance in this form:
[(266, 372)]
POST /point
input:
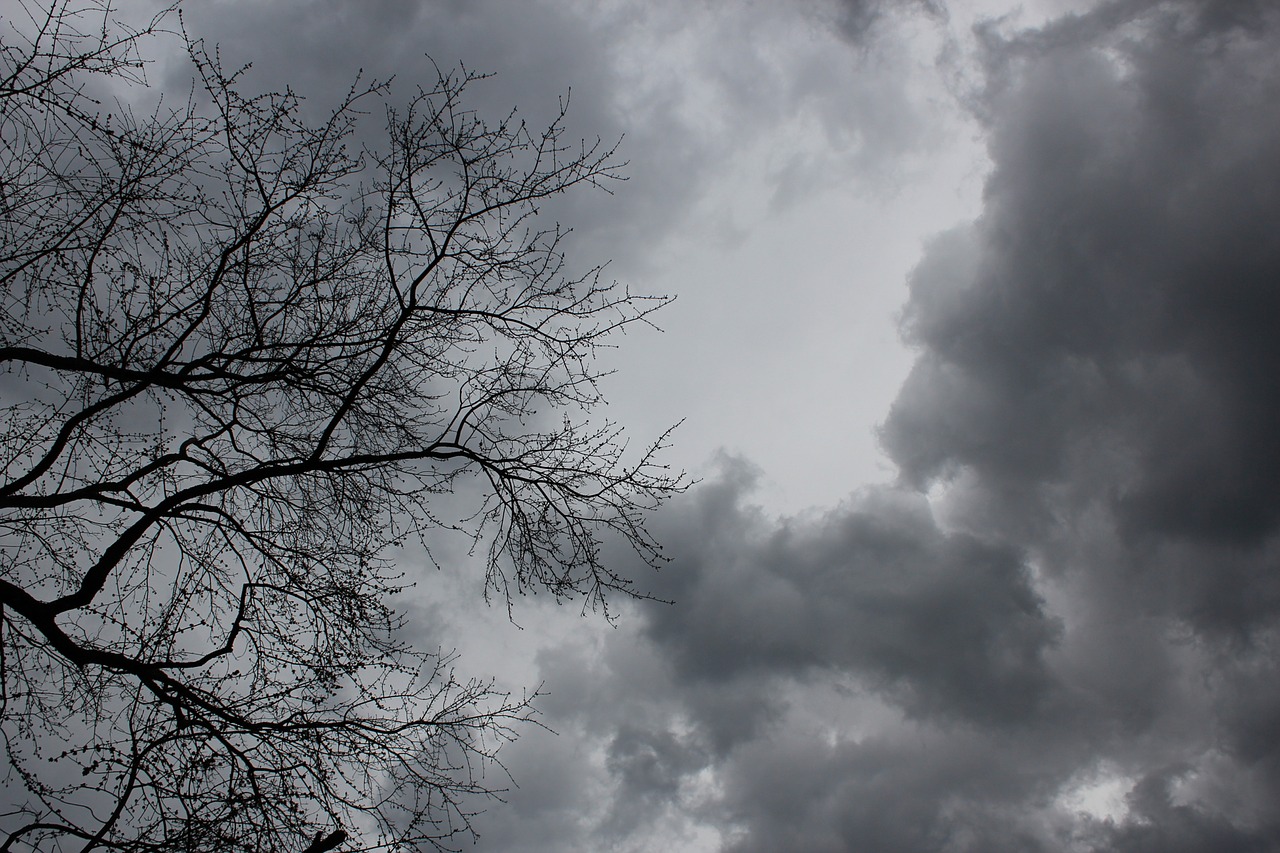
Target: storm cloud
[(1057, 630)]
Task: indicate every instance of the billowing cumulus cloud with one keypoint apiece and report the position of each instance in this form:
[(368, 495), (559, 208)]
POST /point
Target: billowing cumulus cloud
[(1095, 348), (943, 623), (1114, 295), (825, 682), (1094, 387), (1060, 630)]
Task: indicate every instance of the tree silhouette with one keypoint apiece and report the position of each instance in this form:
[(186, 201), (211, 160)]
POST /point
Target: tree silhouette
[(242, 356)]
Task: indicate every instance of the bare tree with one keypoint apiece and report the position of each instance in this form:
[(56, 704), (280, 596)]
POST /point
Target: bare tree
[(240, 357)]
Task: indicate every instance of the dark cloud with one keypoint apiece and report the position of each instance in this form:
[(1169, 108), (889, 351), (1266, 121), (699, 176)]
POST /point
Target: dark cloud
[(1074, 645), (1114, 297), (1094, 385), (1160, 825), (944, 623), (912, 791), (848, 680)]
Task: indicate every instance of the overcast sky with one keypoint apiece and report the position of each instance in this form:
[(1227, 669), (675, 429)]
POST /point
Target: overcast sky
[(975, 340)]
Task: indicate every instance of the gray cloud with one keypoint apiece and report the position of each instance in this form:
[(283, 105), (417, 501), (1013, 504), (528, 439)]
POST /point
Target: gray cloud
[(909, 792), (688, 85), (857, 18), (944, 623), (1093, 384), (1074, 645), (1111, 304)]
